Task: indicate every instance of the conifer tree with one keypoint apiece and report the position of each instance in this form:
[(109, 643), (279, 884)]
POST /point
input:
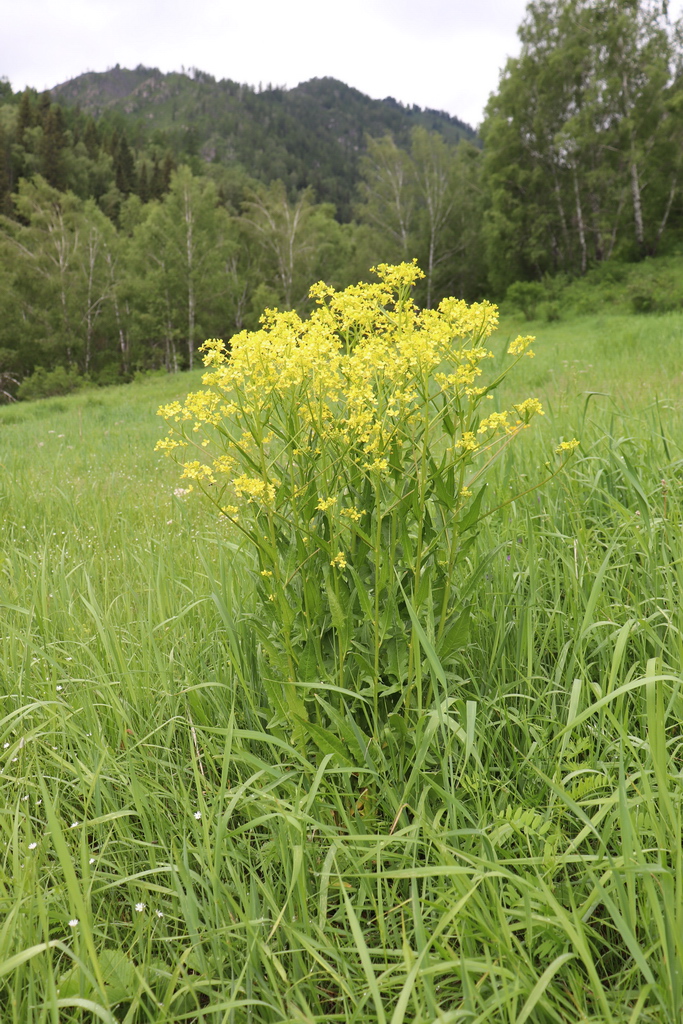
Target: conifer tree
[(52, 146), (143, 190), (166, 173), (26, 116), (91, 139), (124, 165), (5, 173)]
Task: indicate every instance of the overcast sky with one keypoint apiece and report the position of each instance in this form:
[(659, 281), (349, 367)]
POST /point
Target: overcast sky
[(444, 54)]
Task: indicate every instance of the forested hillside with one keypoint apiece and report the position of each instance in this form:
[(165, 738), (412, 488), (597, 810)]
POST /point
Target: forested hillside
[(128, 238), (312, 135), (142, 212)]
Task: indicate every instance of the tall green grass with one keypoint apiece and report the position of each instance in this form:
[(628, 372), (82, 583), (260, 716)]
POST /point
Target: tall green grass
[(516, 857)]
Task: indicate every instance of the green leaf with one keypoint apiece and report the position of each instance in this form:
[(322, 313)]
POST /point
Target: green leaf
[(10, 965), (471, 516), (329, 743), (455, 636)]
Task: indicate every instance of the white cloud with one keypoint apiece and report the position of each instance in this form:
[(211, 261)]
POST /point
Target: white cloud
[(440, 54), (445, 54)]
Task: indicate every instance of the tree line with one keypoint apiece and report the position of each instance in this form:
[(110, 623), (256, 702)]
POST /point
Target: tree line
[(104, 274), (119, 254), (584, 140)]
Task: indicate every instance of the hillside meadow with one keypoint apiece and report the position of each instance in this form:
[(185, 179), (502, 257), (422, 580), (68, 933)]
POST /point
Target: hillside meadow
[(513, 854)]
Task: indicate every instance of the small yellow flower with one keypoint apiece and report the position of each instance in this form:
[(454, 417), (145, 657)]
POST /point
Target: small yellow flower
[(266, 572), (496, 421), (520, 345), (168, 444), (567, 446), (377, 466), (466, 443), (197, 471), (528, 408), (339, 561), (167, 411), (254, 487)]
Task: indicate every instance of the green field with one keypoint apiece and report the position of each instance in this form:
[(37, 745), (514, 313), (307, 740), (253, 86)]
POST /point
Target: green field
[(516, 854)]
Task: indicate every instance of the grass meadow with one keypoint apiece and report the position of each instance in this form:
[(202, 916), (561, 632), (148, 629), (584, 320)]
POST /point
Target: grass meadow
[(517, 856)]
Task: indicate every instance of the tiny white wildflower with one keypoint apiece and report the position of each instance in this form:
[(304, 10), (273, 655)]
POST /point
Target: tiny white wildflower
[(140, 907), (159, 913), (74, 824), (32, 846), (73, 922), (91, 861), (5, 746), (58, 688), (197, 815)]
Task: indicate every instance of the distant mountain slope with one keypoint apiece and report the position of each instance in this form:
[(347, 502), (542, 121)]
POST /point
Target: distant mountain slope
[(310, 135)]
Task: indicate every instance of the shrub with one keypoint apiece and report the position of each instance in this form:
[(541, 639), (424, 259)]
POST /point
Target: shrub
[(110, 375), (351, 450), (44, 383), (526, 296)]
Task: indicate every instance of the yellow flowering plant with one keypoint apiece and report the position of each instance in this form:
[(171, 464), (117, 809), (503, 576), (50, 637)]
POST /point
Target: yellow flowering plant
[(350, 448)]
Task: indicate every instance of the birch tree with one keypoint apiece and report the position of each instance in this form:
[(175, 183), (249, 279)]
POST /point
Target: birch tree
[(575, 135), (60, 254), (179, 250)]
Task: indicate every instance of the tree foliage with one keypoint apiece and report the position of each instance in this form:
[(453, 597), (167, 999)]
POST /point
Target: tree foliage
[(141, 212), (583, 140)]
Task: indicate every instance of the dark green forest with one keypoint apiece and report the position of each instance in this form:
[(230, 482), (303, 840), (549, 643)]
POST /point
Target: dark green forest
[(141, 212)]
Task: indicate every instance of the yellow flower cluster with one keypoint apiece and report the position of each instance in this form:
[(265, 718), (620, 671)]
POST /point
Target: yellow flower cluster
[(528, 408), (351, 513), (567, 446), (197, 471), (520, 346), (496, 421), (254, 488), (358, 374)]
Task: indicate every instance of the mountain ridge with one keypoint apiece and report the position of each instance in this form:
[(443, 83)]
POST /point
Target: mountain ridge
[(312, 134)]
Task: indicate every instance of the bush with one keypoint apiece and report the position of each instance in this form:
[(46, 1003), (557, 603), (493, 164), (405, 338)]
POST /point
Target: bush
[(550, 311), (45, 383), (526, 296), (643, 298), (111, 374)]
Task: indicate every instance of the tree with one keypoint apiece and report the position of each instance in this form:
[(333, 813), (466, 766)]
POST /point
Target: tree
[(293, 236), (178, 251), (572, 139), (52, 146), (433, 166), (388, 193), (124, 164), (60, 270)]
